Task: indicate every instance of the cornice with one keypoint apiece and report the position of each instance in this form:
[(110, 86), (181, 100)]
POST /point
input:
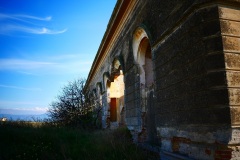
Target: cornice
[(121, 13)]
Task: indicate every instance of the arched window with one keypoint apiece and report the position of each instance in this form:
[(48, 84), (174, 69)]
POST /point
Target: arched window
[(143, 57)]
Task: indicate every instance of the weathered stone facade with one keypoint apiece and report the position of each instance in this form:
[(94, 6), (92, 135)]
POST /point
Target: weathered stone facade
[(180, 66)]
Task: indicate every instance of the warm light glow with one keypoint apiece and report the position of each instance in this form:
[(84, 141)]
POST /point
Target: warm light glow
[(117, 87)]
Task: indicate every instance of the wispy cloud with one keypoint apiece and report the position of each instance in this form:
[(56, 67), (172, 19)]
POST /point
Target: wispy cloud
[(23, 16), (21, 24), (13, 64), (41, 109), (20, 88), (34, 30), (16, 103), (22, 107), (62, 64), (18, 110)]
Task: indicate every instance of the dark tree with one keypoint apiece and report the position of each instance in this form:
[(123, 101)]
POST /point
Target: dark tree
[(71, 107)]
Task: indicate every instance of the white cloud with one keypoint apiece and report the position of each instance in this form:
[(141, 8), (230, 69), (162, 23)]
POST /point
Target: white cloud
[(15, 103), (37, 109), (33, 30), (13, 64), (20, 88), (62, 64), (47, 31), (33, 110), (22, 107), (21, 24), (48, 18), (23, 16)]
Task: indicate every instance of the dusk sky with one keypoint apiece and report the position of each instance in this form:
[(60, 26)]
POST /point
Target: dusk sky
[(43, 45)]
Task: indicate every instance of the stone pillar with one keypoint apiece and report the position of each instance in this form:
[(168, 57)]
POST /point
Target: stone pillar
[(104, 110), (230, 30)]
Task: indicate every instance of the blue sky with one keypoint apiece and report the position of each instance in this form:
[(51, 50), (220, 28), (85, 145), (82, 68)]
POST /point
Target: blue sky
[(43, 45)]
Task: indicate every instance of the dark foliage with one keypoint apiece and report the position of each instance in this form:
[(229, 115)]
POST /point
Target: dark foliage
[(37, 140), (73, 108)]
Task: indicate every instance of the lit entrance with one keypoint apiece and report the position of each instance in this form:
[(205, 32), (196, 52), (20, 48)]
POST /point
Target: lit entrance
[(116, 96)]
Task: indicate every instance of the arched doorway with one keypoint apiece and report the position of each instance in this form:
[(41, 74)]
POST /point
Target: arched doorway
[(116, 95), (143, 57), (106, 100)]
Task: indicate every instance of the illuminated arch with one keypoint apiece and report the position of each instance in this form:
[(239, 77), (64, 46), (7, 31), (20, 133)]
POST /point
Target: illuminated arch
[(118, 62), (115, 92), (143, 56), (138, 35)]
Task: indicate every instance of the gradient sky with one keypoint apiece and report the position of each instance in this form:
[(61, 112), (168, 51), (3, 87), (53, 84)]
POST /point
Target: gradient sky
[(43, 45)]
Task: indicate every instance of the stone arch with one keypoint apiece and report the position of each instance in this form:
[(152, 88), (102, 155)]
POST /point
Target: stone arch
[(120, 60), (105, 99), (115, 93), (106, 77), (138, 35), (99, 93), (99, 87), (143, 56), (142, 53)]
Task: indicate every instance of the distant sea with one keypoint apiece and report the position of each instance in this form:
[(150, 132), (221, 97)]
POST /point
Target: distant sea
[(27, 117)]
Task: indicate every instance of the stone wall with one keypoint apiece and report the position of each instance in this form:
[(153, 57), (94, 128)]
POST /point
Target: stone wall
[(195, 49)]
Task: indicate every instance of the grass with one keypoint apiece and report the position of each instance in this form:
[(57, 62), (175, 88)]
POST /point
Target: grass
[(21, 140)]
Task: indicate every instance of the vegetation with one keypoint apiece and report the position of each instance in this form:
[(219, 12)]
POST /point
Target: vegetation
[(69, 134), (73, 108), (21, 140)]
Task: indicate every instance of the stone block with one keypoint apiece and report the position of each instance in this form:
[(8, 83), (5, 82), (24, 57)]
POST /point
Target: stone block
[(235, 116), (231, 44), (234, 96), (229, 13), (233, 78), (230, 28), (232, 61), (235, 138)]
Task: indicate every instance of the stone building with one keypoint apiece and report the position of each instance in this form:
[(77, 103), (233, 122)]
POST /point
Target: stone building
[(170, 72)]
